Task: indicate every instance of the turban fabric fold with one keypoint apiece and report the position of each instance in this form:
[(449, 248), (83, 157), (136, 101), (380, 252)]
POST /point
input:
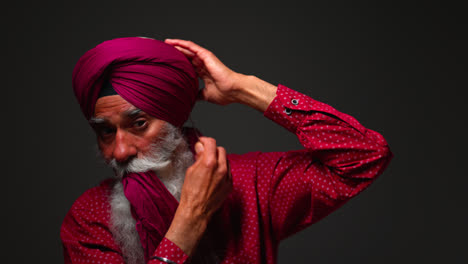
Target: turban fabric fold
[(148, 73), (152, 206)]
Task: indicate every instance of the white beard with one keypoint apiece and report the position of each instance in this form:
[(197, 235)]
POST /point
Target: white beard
[(169, 158), (122, 226)]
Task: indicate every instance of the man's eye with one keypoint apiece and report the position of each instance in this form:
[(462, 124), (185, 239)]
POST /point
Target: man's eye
[(140, 123), (106, 131)]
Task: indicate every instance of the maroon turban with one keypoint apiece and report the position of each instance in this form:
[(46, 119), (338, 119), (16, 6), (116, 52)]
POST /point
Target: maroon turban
[(150, 74)]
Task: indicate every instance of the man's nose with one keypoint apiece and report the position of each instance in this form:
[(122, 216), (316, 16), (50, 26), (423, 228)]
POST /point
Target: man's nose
[(124, 149)]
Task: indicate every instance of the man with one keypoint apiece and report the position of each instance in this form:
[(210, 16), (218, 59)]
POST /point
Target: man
[(177, 196)]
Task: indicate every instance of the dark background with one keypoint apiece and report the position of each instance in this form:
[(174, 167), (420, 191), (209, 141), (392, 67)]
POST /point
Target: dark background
[(399, 69)]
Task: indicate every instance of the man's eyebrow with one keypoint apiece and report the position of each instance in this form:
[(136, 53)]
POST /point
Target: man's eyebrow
[(132, 112), (129, 113), (97, 121)]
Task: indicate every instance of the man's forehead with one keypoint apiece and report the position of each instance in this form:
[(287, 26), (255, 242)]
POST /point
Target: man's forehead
[(112, 105)]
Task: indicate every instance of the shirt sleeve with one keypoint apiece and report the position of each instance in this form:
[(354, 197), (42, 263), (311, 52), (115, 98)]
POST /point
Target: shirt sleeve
[(340, 159), (168, 250)]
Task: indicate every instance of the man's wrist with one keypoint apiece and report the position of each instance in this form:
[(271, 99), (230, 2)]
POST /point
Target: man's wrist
[(254, 92), (186, 230)]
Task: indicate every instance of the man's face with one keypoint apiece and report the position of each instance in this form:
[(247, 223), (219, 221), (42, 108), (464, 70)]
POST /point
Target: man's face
[(123, 131)]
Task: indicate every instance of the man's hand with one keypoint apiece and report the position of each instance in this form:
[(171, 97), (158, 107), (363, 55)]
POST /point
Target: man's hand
[(207, 184), (222, 85), (220, 81)]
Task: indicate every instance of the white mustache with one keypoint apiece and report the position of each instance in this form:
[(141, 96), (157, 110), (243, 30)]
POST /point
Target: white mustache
[(156, 159)]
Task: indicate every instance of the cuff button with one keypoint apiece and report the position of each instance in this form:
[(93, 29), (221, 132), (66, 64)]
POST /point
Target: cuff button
[(294, 101), (287, 111)]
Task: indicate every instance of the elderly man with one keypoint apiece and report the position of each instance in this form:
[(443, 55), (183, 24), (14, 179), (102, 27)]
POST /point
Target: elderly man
[(177, 197)]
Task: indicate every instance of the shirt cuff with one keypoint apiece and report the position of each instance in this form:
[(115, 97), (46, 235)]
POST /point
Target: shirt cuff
[(289, 108), (170, 251)]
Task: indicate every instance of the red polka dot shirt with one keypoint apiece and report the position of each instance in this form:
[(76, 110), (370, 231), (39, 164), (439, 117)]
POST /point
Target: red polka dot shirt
[(274, 194)]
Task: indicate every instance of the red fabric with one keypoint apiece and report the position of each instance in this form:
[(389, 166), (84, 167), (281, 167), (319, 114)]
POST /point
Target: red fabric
[(274, 194), (152, 205), (171, 251), (148, 73)]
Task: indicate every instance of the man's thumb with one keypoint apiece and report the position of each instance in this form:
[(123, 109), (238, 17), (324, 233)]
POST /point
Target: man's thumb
[(199, 147)]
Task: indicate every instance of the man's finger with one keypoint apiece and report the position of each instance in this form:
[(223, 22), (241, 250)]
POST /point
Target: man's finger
[(198, 150), (222, 163), (209, 154), (197, 49), (185, 44), (186, 52), (197, 62)]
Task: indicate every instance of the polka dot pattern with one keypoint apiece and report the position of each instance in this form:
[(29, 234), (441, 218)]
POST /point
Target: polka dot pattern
[(169, 250), (274, 194), (85, 232)]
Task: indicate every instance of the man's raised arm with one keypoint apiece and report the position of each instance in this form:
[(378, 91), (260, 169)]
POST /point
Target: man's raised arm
[(340, 156)]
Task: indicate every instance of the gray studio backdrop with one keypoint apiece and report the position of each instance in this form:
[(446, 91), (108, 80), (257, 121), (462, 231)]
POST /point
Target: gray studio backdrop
[(396, 69)]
